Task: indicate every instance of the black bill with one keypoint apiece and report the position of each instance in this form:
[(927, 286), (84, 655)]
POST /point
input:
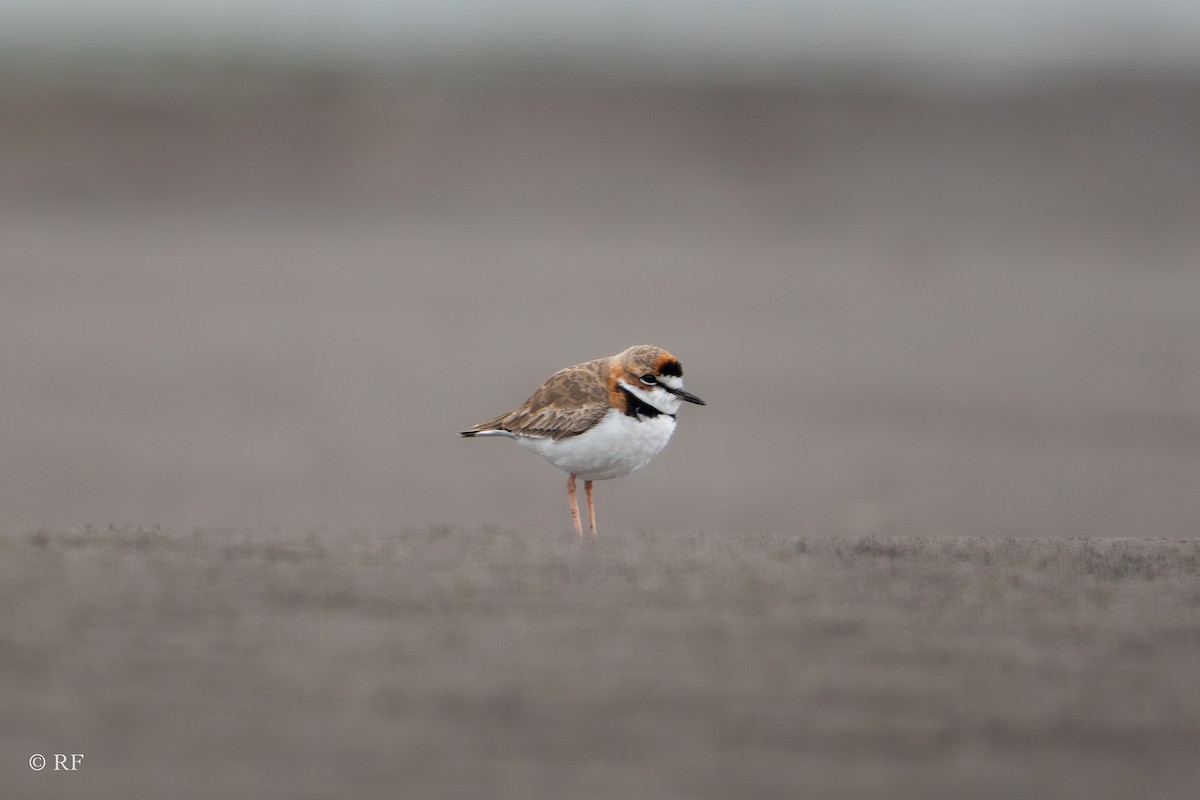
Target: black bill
[(683, 394)]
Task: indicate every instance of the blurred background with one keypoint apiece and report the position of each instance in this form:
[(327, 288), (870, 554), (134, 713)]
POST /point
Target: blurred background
[(933, 265)]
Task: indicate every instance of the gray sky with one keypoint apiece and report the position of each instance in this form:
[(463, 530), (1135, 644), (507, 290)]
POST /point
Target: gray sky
[(1015, 35)]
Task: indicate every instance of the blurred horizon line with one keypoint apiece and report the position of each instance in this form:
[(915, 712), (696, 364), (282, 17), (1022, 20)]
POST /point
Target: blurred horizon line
[(921, 44), (150, 67)]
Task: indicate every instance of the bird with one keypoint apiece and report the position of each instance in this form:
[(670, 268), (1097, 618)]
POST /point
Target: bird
[(600, 419)]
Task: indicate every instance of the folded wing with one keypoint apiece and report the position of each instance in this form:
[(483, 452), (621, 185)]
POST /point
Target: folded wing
[(570, 402)]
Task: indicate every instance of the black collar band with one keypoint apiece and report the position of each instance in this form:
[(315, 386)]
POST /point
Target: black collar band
[(637, 407)]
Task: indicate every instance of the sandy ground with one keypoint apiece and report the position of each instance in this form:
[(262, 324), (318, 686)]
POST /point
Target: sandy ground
[(495, 663), (909, 315)]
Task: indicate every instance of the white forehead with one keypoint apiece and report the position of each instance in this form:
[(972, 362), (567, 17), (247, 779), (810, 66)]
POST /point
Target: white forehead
[(672, 381)]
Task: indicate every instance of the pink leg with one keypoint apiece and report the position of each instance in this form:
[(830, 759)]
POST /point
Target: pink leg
[(587, 487), (574, 505)]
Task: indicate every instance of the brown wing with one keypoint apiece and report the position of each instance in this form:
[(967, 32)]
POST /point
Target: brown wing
[(567, 404)]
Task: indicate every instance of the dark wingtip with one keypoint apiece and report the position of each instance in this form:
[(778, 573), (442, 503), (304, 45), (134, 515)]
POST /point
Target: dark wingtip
[(467, 434)]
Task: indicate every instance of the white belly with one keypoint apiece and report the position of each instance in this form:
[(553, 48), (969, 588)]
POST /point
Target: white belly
[(616, 446)]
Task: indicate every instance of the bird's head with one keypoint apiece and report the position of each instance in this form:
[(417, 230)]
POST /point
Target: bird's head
[(654, 376)]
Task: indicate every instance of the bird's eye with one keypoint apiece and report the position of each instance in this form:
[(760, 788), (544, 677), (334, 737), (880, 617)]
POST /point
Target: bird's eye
[(649, 380)]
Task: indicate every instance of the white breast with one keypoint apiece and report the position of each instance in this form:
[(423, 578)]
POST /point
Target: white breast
[(615, 446)]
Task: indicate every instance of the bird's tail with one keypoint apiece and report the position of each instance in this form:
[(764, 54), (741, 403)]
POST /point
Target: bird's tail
[(490, 432)]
